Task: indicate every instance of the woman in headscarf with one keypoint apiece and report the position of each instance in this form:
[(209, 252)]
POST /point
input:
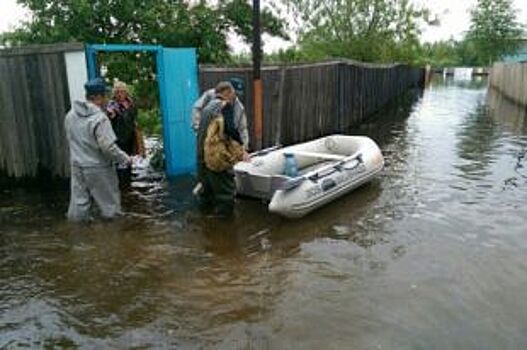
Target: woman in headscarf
[(123, 114)]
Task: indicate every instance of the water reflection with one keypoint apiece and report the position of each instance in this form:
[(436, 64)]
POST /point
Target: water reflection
[(478, 139), (511, 116), (476, 82), (513, 119), (183, 273)]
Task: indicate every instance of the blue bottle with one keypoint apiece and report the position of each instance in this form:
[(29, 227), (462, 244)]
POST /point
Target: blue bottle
[(290, 165)]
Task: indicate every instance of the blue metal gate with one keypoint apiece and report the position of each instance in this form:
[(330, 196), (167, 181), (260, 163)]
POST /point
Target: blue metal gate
[(177, 75)]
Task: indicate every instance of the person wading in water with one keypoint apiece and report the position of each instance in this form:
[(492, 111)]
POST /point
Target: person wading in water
[(220, 146), (93, 152)]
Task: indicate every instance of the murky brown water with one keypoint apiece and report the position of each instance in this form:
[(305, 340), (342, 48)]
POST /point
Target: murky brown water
[(432, 255)]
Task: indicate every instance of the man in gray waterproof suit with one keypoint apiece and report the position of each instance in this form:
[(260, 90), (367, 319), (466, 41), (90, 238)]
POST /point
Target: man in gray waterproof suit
[(218, 186), (93, 152), (240, 118)]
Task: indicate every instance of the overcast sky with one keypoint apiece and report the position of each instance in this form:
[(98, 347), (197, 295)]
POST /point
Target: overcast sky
[(453, 14), (455, 17)]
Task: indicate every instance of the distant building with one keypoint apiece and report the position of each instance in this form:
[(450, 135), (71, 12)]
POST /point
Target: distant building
[(520, 55)]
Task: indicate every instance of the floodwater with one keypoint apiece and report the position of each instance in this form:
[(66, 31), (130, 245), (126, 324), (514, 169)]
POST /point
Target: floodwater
[(431, 255)]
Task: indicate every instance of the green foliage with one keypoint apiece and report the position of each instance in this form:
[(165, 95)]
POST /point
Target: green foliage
[(239, 14), (291, 55), (440, 54), (366, 30), (149, 120), (494, 30), (136, 69), (166, 22), (467, 54), (448, 53), (387, 31)]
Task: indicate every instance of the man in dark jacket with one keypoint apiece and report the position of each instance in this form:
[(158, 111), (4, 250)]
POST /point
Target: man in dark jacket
[(93, 152), (239, 116)]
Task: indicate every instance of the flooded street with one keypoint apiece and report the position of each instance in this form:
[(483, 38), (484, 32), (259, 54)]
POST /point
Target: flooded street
[(430, 255)]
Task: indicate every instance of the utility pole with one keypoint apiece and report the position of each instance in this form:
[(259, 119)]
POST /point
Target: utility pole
[(257, 81)]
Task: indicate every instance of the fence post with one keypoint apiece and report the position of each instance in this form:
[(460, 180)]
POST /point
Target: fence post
[(280, 108)]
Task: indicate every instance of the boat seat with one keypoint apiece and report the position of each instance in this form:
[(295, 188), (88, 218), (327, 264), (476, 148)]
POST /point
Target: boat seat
[(327, 156)]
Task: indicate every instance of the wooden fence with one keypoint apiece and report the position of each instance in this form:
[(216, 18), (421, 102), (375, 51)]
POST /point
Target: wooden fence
[(34, 98), (511, 80), (308, 101)]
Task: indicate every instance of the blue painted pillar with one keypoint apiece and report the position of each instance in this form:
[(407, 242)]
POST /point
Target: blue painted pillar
[(178, 86), (91, 62)]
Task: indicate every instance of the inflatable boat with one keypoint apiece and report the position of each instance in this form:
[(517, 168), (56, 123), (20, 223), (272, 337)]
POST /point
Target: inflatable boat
[(318, 172)]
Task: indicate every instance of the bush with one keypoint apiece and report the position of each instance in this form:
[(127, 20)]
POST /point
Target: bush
[(149, 120)]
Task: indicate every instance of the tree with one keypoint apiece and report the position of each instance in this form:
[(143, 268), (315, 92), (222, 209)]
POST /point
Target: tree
[(239, 15), (367, 30), (494, 30), (167, 22), (440, 54), (449, 53)]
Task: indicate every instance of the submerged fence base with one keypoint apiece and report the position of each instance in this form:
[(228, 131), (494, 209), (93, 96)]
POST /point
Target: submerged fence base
[(510, 79), (308, 101)]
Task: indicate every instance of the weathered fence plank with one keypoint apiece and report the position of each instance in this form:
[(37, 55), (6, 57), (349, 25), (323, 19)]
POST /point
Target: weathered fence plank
[(34, 99)]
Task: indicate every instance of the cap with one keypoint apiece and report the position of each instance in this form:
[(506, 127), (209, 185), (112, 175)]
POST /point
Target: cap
[(238, 85), (96, 86)]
